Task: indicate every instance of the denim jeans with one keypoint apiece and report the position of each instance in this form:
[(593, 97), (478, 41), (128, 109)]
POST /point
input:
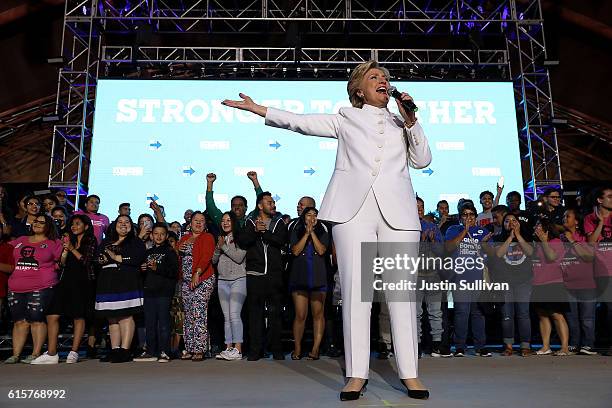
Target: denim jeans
[(466, 310), (157, 324), (433, 299), (516, 305), (232, 294), (581, 317)]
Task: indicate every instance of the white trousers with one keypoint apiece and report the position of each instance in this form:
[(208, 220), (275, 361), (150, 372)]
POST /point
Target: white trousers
[(368, 225)]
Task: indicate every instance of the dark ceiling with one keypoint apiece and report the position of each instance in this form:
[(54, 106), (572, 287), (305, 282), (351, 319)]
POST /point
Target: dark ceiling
[(579, 35)]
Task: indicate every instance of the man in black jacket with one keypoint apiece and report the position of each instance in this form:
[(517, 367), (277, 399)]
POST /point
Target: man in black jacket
[(263, 237)]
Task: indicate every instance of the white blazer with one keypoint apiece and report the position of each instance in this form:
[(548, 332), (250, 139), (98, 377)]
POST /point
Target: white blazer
[(374, 151)]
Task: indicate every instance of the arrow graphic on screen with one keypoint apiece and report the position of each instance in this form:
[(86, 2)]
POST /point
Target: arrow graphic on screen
[(154, 197), (275, 145), (428, 171), (276, 197), (156, 145), (189, 171), (309, 171)]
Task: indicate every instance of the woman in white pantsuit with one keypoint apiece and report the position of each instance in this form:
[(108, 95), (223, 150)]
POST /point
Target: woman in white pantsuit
[(370, 199)]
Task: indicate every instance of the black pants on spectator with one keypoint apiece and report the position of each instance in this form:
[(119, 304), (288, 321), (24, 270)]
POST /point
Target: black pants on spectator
[(261, 291), (157, 323)]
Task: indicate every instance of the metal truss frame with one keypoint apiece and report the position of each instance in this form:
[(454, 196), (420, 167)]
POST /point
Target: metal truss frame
[(113, 36), (534, 103)]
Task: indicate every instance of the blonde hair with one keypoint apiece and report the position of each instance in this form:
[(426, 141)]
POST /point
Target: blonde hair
[(355, 81)]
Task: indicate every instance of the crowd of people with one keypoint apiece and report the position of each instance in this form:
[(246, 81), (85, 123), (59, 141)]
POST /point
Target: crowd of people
[(149, 285)]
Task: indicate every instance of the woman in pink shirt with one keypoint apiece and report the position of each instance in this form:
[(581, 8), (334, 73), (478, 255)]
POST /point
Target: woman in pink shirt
[(549, 295), (31, 285), (577, 268)]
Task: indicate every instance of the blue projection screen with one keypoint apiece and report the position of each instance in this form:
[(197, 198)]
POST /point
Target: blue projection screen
[(159, 138)]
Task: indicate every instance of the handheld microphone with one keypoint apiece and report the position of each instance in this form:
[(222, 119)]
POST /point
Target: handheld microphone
[(408, 105)]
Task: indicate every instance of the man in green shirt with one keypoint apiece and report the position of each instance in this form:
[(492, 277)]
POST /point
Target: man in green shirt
[(238, 203)]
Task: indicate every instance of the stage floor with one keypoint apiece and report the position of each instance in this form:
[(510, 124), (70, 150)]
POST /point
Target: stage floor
[(538, 381)]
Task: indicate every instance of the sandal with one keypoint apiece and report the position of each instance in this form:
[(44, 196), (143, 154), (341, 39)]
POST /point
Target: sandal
[(198, 357), (295, 356), (544, 352), (186, 355), (312, 357)]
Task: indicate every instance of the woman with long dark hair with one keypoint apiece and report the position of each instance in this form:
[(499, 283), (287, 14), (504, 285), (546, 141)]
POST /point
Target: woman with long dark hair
[(232, 287), (196, 250), (119, 292), (514, 267), (308, 278), (31, 285), (74, 293)]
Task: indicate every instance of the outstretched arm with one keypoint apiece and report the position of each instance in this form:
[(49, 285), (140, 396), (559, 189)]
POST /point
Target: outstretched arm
[(324, 125)]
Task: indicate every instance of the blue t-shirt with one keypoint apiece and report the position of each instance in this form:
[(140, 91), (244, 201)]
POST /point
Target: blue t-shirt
[(469, 256)]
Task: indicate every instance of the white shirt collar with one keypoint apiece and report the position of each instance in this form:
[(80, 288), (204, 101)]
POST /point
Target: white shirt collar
[(374, 109)]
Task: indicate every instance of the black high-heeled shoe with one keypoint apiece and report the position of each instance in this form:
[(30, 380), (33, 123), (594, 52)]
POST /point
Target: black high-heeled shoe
[(353, 395), (416, 394)]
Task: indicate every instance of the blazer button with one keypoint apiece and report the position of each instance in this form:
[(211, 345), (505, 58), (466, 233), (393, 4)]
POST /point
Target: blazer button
[(381, 131), (380, 146), (374, 173), (377, 159)]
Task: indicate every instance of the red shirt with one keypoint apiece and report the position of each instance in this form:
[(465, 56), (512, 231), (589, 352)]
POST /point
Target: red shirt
[(203, 250), (6, 257), (603, 256)]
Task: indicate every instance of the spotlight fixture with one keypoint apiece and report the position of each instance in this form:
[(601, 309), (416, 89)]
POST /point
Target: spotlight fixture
[(51, 118), (57, 60), (557, 122)]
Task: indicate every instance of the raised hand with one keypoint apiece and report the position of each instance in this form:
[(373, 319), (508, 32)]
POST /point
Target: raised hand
[(211, 178), (252, 175), (154, 206), (539, 231)]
